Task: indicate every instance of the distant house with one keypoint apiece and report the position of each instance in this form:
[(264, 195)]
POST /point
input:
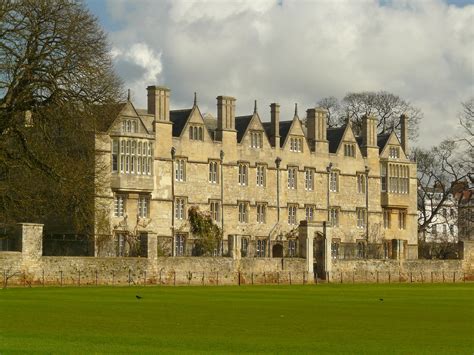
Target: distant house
[(465, 202), (443, 226)]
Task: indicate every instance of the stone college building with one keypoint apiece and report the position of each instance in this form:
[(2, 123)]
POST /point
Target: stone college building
[(258, 180)]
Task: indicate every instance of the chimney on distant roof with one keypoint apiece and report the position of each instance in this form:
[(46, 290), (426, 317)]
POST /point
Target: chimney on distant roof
[(316, 126), (275, 125), (404, 133), (225, 113), (159, 102)]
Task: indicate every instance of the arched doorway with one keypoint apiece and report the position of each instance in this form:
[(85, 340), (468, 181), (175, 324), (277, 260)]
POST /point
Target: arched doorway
[(277, 251)]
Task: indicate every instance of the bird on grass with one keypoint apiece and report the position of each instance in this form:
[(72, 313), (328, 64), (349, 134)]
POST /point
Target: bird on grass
[(380, 299), (138, 297)]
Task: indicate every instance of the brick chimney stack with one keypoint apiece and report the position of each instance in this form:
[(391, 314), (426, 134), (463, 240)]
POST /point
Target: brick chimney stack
[(275, 125), (159, 102)]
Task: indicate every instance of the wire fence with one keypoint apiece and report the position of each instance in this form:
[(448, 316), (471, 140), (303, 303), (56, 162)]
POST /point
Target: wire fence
[(130, 277)]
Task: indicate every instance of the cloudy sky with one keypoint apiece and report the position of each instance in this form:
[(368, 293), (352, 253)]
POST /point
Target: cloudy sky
[(297, 51)]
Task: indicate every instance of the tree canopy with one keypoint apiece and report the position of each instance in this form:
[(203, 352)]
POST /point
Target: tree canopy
[(55, 70), (385, 106)]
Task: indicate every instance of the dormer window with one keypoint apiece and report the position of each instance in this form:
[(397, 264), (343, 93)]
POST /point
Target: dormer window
[(196, 133), (256, 139), (394, 153), (349, 150), (296, 144)]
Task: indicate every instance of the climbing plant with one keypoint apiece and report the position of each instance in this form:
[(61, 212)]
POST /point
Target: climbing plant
[(208, 234)]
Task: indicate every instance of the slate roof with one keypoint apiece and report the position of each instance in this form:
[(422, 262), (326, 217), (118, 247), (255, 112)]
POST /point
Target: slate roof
[(179, 119), (267, 127), (106, 115), (284, 130), (382, 140), (241, 124), (334, 136)]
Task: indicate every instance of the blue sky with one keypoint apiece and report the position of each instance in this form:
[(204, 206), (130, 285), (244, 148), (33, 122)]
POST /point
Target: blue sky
[(297, 51)]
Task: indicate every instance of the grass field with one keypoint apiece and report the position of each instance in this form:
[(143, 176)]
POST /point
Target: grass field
[(412, 318)]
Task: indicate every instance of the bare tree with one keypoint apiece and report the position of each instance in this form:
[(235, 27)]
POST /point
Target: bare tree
[(55, 70), (441, 170), (466, 120), (333, 108), (385, 106), (52, 53)]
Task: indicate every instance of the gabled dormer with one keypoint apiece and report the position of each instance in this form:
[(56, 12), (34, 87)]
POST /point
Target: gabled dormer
[(194, 128), (128, 122), (348, 146), (250, 131), (391, 147), (292, 135)]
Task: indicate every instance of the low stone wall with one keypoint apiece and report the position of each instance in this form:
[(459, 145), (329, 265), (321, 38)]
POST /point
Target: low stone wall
[(384, 271), (30, 268), (79, 271)]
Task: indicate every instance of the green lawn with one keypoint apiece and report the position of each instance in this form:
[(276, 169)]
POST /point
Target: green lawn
[(412, 318)]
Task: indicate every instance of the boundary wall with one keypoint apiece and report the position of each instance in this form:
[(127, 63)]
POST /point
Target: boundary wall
[(30, 268)]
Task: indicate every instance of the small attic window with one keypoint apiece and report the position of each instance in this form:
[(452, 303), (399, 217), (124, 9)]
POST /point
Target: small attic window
[(196, 133), (296, 144), (129, 126), (349, 150), (394, 152), (256, 139)]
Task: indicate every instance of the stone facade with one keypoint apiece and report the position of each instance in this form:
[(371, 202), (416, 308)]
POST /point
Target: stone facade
[(257, 179)]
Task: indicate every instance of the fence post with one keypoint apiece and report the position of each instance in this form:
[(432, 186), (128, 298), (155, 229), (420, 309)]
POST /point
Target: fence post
[(377, 276), (389, 276), (303, 277), (316, 277), (160, 275), (174, 277), (431, 276), (79, 279), (252, 277), (289, 276), (443, 276), (278, 277), (217, 278), (24, 279), (341, 277), (238, 275), (203, 278), (96, 278), (454, 277), (411, 276), (61, 272), (113, 277), (43, 277), (144, 278), (129, 277)]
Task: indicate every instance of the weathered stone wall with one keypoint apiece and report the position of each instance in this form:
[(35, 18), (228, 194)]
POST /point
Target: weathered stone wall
[(30, 268)]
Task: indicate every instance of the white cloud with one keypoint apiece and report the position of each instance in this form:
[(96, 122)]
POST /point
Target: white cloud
[(292, 51)]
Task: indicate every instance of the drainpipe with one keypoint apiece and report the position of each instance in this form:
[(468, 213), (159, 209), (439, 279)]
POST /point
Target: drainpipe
[(173, 154), (328, 169), (326, 257), (277, 163), (222, 201), (367, 169)]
